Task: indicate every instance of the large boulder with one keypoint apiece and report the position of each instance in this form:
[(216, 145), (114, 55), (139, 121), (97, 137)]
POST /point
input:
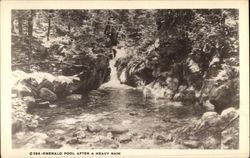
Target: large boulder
[(211, 118), (47, 94), (223, 95), (29, 101)]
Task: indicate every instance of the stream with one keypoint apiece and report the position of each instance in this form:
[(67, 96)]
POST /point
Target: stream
[(113, 116)]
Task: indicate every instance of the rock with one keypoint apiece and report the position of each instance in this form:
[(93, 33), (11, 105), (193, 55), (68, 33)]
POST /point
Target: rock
[(227, 141), (133, 113), (47, 94), (160, 139), (189, 94), (22, 91), (73, 141), (74, 98), (52, 105), (125, 138), (32, 125), (94, 128), (16, 126), (212, 118), (116, 129), (62, 138), (79, 135), (191, 143), (172, 83), (46, 84), (53, 144), (193, 138), (30, 101), (141, 136), (60, 88), (109, 142), (178, 97), (44, 104), (224, 95), (228, 114), (211, 143), (208, 106), (182, 88)]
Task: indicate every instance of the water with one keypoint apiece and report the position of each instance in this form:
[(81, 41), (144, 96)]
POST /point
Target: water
[(112, 104), (114, 81)]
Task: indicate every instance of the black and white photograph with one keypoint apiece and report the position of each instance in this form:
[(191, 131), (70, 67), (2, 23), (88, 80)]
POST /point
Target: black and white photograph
[(125, 79)]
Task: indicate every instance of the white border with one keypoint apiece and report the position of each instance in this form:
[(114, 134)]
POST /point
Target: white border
[(6, 7)]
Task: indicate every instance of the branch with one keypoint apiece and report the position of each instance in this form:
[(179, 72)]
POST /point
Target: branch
[(52, 62)]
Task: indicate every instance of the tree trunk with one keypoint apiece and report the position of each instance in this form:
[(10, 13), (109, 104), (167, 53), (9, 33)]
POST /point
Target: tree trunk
[(30, 31), (20, 25), (49, 25), (12, 24), (30, 23)]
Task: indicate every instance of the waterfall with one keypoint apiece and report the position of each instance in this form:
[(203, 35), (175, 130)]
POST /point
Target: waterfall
[(114, 81)]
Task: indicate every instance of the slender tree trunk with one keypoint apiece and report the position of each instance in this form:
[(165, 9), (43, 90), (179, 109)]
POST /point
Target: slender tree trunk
[(30, 30), (20, 25), (30, 23), (49, 27), (12, 24)]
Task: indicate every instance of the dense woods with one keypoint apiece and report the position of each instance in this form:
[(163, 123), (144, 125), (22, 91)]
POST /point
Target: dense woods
[(181, 55)]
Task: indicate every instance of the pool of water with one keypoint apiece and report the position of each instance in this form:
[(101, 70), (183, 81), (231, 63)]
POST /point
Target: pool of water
[(147, 123)]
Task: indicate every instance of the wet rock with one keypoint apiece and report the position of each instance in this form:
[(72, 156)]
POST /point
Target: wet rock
[(44, 104), (30, 101), (116, 129), (53, 144), (73, 141), (211, 118), (114, 146), (94, 128), (125, 138), (211, 143), (191, 143), (79, 135), (160, 139), (52, 105), (74, 97), (61, 138), (133, 113), (109, 142), (47, 94)]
